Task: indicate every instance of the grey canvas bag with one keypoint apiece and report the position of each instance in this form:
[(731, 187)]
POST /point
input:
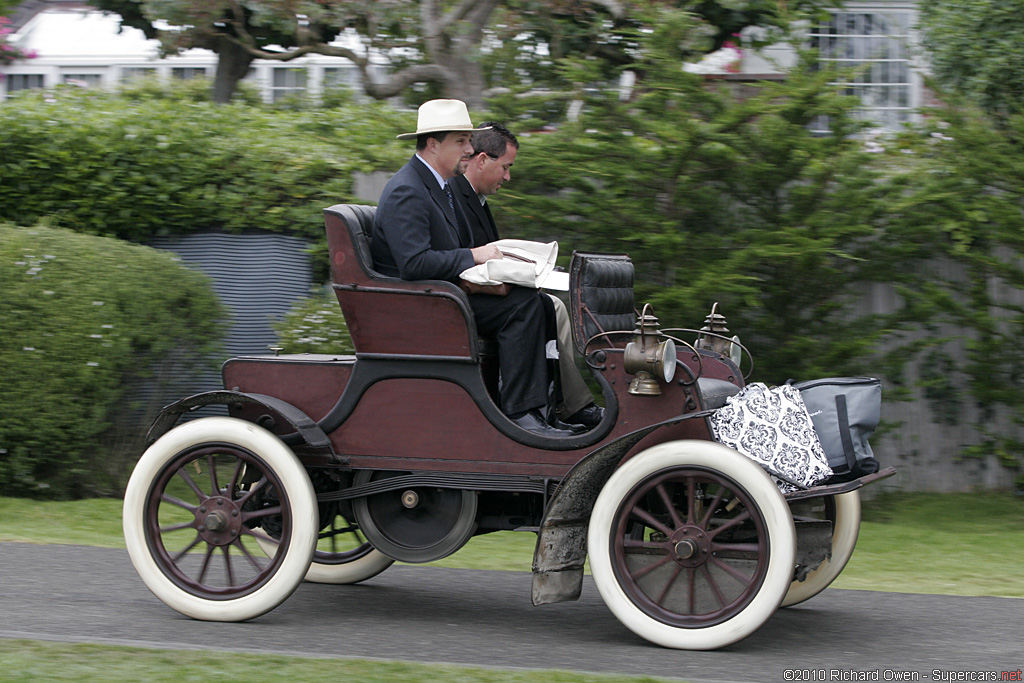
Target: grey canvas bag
[(845, 412)]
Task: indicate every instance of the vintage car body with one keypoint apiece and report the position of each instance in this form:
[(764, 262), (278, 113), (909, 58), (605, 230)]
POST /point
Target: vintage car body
[(401, 452)]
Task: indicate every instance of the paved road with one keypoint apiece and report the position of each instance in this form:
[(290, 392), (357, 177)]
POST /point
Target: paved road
[(432, 614)]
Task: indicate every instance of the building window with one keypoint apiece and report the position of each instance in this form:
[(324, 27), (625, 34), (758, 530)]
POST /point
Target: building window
[(131, 73), (287, 81), (23, 82), (874, 46), (342, 77), (83, 80), (187, 73)]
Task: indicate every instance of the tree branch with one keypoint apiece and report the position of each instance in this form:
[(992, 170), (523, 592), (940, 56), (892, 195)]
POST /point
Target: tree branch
[(400, 80)]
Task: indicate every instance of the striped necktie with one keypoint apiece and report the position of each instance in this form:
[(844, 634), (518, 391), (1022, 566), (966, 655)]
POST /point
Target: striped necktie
[(451, 200)]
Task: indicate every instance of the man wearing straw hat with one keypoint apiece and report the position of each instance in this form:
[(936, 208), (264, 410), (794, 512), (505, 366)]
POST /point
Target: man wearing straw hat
[(421, 233)]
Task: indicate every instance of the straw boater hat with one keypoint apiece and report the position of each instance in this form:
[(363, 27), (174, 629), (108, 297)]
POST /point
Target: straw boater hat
[(438, 116)]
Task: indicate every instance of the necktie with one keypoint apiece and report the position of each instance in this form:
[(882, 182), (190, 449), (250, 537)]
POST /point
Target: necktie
[(451, 200)]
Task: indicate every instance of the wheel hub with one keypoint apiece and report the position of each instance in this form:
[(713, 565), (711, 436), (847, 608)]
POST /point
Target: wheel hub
[(410, 499), (218, 520), (691, 546)]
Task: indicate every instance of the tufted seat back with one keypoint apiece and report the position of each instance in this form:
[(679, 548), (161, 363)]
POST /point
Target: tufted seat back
[(602, 289)]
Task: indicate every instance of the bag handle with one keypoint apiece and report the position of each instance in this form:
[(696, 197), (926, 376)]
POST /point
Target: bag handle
[(844, 432)]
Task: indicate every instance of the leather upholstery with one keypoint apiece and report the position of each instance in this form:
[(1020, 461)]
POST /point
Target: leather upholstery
[(602, 287)]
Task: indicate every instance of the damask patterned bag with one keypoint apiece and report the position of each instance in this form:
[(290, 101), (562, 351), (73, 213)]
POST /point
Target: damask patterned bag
[(772, 426)]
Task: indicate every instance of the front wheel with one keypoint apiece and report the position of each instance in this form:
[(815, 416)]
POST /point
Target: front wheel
[(191, 509), (691, 545)]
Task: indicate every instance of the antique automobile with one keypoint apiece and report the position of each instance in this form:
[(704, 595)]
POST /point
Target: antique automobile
[(329, 468)]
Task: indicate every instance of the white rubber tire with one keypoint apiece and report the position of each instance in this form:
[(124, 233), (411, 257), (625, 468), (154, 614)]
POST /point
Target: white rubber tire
[(296, 488), (757, 484), (845, 530), (364, 568)]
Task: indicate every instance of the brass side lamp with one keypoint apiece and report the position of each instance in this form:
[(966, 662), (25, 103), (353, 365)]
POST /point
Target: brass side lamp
[(714, 336), (647, 359)]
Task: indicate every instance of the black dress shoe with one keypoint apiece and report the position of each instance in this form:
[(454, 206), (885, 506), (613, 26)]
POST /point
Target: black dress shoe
[(590, 416), (532, 421), (575, 429)]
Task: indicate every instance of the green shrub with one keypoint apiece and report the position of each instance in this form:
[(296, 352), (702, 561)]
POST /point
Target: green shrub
[(315, 325), (83, 320), (139, 165), (190, 90)]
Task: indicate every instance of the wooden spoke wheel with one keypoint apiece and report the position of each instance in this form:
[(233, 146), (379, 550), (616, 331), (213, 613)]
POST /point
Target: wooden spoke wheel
[(843, 511), (691, 545), (192, 506), (343, 555)]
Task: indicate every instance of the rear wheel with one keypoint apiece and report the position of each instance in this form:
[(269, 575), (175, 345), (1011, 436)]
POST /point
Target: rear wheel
[(191, 509), (342, 556), (691, 545), (843, 511)]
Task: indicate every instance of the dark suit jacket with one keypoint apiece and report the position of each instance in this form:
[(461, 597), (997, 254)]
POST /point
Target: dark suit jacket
[(416, 235), (481, 222)]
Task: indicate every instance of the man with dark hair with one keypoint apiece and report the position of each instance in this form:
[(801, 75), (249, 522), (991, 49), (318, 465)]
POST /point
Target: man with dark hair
[(421, 233), (495, 149)]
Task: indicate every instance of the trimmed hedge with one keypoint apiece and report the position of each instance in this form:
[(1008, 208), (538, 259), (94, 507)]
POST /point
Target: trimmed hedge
[(137, 166), (83, 320)]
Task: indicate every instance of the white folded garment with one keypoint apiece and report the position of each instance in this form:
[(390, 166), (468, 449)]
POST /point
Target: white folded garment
[(526, 263)]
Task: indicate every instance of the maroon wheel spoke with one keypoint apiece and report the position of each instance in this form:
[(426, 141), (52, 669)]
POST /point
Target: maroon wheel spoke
[(711, 509), (262, 512), (691, 580), (738, 519), (732, 571), (184, 550), (191, 484), (167, 498), (691, 505), (634, 544), (647, 569), (668, 585), (206, 562), (214, 486), (737, 547), (227, 564), (722, 602), (667, 500), (251, 492), (248, 555), (650, 520), (176, 527), (239, 467)]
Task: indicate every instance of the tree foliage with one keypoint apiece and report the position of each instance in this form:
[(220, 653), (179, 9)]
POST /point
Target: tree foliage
[(723, 196), (976, 49), (969, 189)]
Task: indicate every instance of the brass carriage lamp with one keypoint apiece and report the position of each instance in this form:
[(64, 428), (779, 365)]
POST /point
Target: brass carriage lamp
[(714, 335), (648, 360)]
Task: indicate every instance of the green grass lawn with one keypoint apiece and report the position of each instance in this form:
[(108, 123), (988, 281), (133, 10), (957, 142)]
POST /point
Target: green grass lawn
[(30, 661)]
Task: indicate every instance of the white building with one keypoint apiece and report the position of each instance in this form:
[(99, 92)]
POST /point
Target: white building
[(81, 45)]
